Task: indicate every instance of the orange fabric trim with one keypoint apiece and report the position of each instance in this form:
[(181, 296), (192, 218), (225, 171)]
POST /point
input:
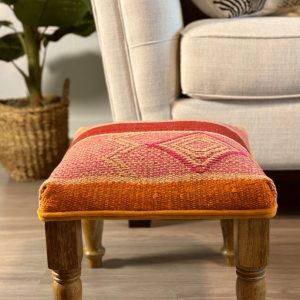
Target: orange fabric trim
[(159, 215), (201, 195)]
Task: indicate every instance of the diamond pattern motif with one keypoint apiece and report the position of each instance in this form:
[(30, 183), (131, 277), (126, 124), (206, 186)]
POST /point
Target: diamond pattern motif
[(198, 150)]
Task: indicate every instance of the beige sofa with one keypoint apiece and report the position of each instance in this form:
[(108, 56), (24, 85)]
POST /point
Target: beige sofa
[(243, 71)]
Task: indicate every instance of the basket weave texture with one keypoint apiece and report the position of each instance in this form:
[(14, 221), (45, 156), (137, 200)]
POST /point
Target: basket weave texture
[(33, 140)]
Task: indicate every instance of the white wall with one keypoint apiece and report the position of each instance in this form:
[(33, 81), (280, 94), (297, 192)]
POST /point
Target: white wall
[(75, 58)]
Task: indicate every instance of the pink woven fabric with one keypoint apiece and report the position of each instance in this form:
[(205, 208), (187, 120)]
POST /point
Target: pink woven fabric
[(158, 169)]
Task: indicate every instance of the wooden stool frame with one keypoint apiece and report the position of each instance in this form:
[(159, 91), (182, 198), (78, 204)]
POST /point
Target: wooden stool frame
[(65, 251)]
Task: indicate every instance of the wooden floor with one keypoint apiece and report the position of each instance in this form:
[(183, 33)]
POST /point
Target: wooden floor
[(172, 260)]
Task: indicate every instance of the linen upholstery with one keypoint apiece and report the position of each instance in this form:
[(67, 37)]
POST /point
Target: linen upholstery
[(241, 58), (158, 170), (139, 45), (273, 126)]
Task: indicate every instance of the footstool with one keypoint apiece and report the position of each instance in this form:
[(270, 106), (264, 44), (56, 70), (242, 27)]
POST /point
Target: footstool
[(156, 170)]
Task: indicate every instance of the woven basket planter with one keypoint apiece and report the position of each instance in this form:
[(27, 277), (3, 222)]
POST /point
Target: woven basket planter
[(33, 140)]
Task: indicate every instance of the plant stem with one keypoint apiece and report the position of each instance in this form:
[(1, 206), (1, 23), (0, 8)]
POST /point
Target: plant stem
[(20, 71), (32, 50)]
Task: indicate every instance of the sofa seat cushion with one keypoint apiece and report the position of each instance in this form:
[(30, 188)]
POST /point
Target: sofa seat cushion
[(158, 170), (250, 58), (273, 127)]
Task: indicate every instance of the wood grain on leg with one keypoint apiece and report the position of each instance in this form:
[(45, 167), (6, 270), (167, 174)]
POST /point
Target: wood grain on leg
[(64, 252), (93, 250), (228, 238), (252, 258)]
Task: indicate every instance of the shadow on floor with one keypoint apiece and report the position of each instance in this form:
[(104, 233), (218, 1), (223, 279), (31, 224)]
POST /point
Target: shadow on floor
[(204, 254)]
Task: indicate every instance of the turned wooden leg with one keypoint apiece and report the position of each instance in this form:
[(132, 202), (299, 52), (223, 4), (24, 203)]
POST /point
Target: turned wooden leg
[(228, 238), (64, 252), (252, 258), (93, 249)]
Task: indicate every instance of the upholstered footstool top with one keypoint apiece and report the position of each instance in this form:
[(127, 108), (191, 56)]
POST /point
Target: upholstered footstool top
[(148, 170)]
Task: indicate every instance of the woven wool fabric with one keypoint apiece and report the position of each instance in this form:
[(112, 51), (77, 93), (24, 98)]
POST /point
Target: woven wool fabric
[(158, 170)]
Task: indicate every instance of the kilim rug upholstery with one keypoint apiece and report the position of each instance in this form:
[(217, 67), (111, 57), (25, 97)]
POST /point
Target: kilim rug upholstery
[(158, 170)]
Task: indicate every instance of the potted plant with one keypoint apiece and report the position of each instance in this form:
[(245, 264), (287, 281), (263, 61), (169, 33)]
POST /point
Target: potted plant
[(34, 130)]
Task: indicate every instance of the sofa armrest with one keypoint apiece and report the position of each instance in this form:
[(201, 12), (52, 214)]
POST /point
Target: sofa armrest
[(139, 41)]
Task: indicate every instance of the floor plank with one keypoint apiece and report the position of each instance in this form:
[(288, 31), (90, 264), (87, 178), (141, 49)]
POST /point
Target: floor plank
[(172, 260)]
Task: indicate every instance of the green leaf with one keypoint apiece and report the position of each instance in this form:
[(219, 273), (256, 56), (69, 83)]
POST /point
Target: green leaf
[(10, 47), (50, 12), (89, 4), (83, 28)]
